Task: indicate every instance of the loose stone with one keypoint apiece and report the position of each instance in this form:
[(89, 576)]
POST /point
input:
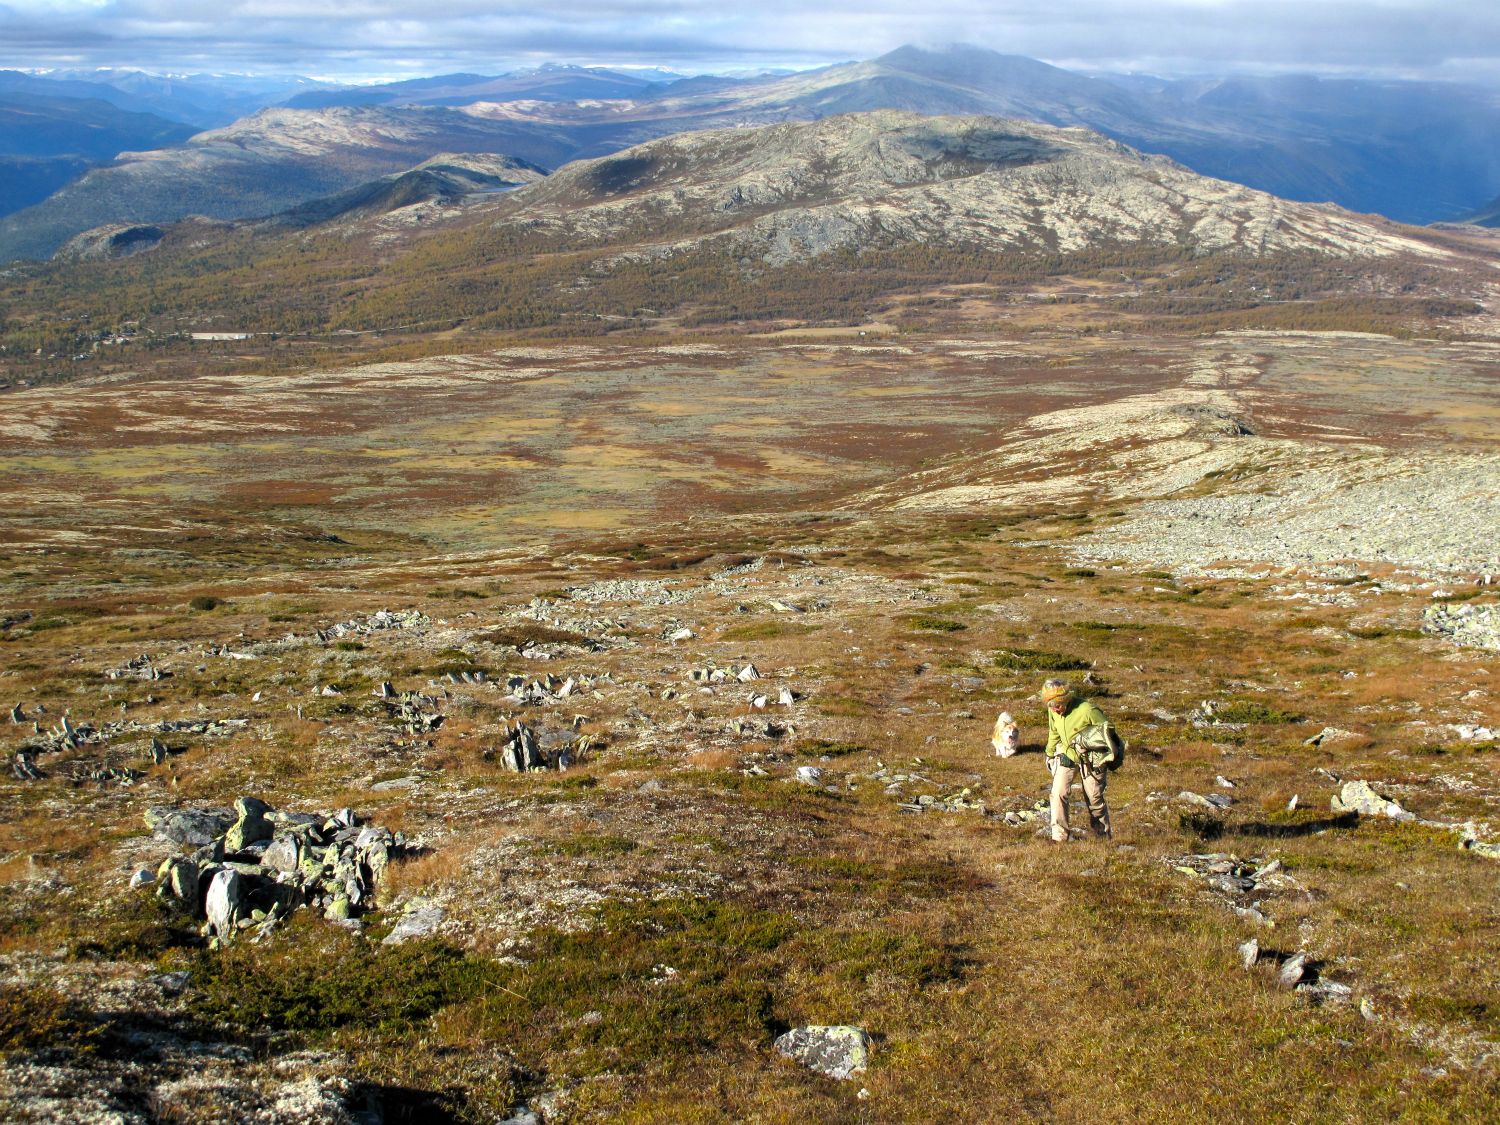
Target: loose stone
[(1293, 969), (1249, 954), (837, 1051)]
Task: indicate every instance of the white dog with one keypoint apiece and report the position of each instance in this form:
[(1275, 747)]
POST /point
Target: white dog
[(1006, 738)]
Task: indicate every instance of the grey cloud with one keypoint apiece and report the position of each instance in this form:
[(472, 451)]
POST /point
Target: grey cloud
[(1395, 36)]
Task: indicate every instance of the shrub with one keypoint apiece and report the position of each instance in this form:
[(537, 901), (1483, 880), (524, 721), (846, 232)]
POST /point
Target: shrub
[(767, 630), (825, 748), (34, 1016), (1038, 660), (1201, 825), (583, 846), (312, 977), (937, 624), (1253, 711), (205, 602), (135, 927)]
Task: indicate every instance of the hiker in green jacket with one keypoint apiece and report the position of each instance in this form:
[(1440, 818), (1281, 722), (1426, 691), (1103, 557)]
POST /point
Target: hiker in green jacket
[(1066, 716)]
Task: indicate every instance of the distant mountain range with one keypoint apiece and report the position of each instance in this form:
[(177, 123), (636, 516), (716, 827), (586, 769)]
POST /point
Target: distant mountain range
[(57, 126), (266, 163), (547, 83), (1417, 152), (46, 141), (205, 101)]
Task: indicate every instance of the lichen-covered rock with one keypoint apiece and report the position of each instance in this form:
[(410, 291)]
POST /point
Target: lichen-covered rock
[(250, 826), (422, 921), (177, 878), (838, 1051)]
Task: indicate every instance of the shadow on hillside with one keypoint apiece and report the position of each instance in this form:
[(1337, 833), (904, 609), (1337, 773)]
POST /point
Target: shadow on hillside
[(1307, 828), (1206, 826), (406, 1105)]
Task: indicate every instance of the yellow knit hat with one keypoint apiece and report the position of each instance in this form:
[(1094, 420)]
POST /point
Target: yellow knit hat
[(1055, 689)]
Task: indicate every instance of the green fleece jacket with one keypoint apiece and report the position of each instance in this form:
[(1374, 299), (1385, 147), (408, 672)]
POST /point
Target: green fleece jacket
[(1062, 728)]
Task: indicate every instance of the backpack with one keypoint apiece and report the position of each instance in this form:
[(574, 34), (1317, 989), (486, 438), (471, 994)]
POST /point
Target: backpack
[(1099, 747)]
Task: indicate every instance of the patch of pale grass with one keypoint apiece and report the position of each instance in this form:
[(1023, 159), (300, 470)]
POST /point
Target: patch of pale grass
[(714, 759)]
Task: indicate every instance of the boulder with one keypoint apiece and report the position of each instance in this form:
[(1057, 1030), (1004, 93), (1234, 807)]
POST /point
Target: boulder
[(1361, 797), (284, 854), (1215, 801), (837, 1051), (1293, 969), (1323, 991), (226, 902), (1480, 847), (809, 775)]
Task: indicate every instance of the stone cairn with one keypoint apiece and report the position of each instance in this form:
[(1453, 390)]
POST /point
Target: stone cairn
[(255, 866), (524, 748)]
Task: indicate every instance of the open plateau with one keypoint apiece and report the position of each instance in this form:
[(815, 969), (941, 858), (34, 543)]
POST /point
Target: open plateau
[(483, 645)]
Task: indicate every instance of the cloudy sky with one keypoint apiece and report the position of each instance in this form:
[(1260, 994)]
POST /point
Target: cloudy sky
[(368, 39)]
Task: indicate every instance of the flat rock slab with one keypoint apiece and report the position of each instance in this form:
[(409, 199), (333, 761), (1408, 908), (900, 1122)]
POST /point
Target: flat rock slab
[(188, 826), (838, 1051), (420, 923)]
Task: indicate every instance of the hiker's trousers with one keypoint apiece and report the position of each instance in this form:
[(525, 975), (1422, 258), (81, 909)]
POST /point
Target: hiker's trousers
[(1093, 794)]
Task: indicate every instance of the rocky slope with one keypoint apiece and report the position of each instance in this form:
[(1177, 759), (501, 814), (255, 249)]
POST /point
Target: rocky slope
[(793, 192)]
